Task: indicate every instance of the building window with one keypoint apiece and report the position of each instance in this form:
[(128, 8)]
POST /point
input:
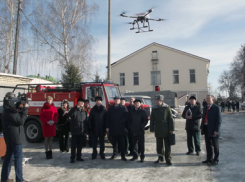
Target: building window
[(154, 55), (175, 76), (192, 76), (136, 78), (122, 79), (155, 77)]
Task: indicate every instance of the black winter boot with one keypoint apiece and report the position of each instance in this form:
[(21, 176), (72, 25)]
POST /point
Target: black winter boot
[(47, 154), (160, 160), (50, 154)]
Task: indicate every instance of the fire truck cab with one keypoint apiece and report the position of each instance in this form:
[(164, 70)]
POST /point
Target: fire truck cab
[(37, 93)]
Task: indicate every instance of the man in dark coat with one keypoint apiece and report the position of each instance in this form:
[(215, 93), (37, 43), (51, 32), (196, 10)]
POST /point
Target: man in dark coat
[(222, 106), (198, 103), (78, 127), (131, 104), (187, 103), (137, 122), (162, 124), (204, 103), (229, 105), (233, 104), (117, 116), (192, 113), (97, 126), (14, 117), (210, 127), (237, 106), (130, 107), (123, 102)]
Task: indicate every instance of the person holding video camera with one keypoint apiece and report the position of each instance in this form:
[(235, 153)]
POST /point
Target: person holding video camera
[(49, 117), (14, 116)]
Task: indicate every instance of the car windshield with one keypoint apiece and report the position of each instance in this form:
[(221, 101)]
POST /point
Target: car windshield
[(111, 92), (148, 102)]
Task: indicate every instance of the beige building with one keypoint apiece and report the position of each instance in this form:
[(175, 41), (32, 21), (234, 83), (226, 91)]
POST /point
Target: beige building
[(166, 67)]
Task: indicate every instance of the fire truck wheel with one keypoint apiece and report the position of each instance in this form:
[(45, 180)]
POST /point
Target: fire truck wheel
[(33, 131)]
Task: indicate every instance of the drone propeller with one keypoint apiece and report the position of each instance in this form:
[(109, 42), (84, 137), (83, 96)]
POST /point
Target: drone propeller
[(123, 13), (150, 10), (157, 19), (128, 23)]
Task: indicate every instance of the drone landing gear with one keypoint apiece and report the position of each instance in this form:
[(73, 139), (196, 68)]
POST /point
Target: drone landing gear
[(132, 28), (149, 28)]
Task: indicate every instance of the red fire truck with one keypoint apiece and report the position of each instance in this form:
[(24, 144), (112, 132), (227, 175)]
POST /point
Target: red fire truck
[(37, 93)]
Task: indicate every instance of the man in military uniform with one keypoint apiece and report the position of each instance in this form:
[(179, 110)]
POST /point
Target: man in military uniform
[(161, 123)]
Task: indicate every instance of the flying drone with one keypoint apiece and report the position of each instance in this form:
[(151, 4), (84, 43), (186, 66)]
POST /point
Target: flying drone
[(143, 18)]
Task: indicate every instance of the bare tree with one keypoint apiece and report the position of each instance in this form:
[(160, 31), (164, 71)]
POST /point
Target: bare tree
[(62, 25), (7, 25), (82, 55), (228, 84), (8, 10), (238, 66)]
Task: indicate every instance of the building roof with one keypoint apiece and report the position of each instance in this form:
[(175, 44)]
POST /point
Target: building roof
[(39, 80), (16, 76), (12, 80), (160, 45)]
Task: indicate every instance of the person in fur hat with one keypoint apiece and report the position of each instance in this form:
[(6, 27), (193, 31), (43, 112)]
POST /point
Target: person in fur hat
[(97, 126), (78, 126), (64, 126)]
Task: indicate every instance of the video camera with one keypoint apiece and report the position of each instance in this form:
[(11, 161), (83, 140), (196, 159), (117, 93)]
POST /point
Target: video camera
[(18, 103)]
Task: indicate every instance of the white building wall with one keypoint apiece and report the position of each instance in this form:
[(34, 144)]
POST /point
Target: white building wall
[(169, 60)]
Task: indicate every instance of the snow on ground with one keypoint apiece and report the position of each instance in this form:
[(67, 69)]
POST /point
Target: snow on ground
[(185, 168)]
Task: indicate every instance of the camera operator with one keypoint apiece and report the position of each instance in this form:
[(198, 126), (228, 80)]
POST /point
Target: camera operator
[(14, 116)]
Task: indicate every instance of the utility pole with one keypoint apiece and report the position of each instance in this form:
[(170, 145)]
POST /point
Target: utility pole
[(16, 39), (243, 78), (109, 41)]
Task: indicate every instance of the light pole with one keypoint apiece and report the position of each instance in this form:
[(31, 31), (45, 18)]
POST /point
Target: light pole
[(16, 40), (109, 41)]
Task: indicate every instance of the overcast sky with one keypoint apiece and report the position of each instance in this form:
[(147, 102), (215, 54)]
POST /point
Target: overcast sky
[(212, 29)]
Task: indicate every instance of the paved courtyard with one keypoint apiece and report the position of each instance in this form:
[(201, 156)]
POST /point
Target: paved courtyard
[(185, 168)]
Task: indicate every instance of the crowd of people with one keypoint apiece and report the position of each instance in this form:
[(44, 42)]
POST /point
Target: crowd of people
[(231, 105), (125, 126)]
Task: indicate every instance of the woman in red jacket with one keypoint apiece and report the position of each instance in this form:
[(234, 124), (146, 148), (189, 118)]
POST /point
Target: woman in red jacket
[(49, 117)]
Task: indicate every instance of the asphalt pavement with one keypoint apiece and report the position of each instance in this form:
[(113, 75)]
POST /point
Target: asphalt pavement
[(185, 167)]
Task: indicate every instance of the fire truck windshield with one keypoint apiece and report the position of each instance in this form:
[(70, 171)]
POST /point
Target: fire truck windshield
[(111, 92)]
